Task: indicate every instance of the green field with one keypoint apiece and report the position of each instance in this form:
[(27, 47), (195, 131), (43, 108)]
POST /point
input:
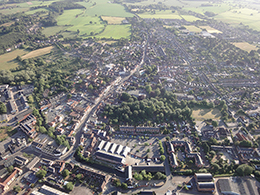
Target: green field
[(204, 114), (38, 52), (210, 29), (7, 60), (167, 14), (23, 7), (88, 23), (236, 16), (190, 18), (78, 20), (232, 12), (192, 28), (105, 8), (48, 31), (116, 31), (113, 20), (245, 46)]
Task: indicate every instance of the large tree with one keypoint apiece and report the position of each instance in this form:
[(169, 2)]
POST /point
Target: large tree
[(3, 109)]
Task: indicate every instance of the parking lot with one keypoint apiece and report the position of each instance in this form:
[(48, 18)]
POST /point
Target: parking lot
[(140, 148)]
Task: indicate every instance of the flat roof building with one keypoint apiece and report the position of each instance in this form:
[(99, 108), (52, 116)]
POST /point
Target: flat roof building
[(203, 177), (149, 168), (112, 158), (47, 190), (206, 186)]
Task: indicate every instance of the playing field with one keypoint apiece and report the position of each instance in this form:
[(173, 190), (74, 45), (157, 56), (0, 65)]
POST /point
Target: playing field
[(210, 29), (7, 60), (245, 46), (204, 114), (192, 28), (113, 20), (116, 31), (38, 52)]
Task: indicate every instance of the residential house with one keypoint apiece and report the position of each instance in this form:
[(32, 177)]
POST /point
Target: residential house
[(4, 186)]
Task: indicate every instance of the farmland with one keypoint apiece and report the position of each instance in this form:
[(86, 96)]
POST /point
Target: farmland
[(245, 46), (78, 20), (161, 14), (23, 7), (167, 14), (236, 16), (204, 114), (38, 52), (8, 59), (210, 29), (192, 28), (113, 20), (116, 31), (244, 12)]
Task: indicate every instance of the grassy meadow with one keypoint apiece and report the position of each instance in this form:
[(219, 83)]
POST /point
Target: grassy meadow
[(245, 46), (38, 52), (8, 59), (204, 114), (113, 20), (192, 28), (210, 29), (116, 31)]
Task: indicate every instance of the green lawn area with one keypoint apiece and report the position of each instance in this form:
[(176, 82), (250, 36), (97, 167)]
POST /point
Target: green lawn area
[(245, 46), (204, 114), (116, 31), (7, 60)]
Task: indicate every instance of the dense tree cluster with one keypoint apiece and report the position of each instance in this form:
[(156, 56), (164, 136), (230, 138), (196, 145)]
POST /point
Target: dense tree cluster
[(162, 109)]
